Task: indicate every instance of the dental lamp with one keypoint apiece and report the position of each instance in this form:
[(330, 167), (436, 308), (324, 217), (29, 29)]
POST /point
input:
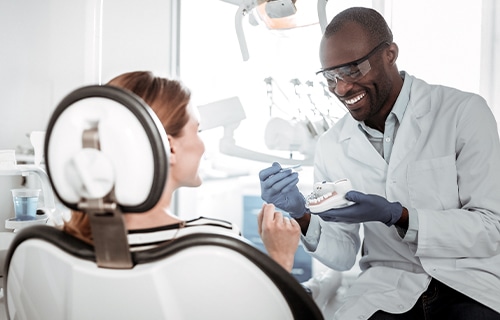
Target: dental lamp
[(280, 134), (276, 14), (280, 8)]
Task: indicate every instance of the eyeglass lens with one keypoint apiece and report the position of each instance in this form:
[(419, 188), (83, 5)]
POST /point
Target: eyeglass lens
[(350, 72)]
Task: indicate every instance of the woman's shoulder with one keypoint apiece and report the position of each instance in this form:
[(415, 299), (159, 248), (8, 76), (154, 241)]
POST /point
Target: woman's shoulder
[(157, 235), (205, 221), (204, 224)]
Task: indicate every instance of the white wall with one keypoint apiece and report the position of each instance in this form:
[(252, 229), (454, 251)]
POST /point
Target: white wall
[(440, 41), (136, 36), (42, 56), (490, 57), (49, 48)]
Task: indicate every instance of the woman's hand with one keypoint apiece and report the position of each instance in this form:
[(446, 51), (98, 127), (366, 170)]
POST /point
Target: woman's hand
[(280, 235)]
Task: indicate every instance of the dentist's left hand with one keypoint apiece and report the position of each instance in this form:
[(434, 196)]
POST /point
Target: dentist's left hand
[(367, 207), (280, 188)]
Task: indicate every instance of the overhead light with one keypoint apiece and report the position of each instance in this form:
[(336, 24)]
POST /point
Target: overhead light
[(278, 14), (280, 8), (287, 14)]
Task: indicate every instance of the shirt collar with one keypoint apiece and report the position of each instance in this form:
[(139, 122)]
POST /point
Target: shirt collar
[(400, 105), (404, 97)]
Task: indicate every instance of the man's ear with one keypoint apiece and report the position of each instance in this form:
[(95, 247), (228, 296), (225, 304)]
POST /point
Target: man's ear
[(172, 144), (393, 53)]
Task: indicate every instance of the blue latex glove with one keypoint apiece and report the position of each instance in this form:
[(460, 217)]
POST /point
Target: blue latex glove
[(279, 187), (368, 207)]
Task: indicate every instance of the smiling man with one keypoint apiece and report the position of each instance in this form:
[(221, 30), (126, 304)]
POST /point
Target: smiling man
[(424, 163), (372, 102)]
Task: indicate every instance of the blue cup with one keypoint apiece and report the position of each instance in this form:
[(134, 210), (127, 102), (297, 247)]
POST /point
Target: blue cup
[(25, 203)]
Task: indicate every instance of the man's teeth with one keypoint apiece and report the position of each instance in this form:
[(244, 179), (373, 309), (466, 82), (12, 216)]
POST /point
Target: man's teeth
[(355, 99)]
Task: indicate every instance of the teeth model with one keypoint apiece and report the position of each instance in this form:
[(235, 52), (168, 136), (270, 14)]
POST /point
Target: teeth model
[(328, 195)]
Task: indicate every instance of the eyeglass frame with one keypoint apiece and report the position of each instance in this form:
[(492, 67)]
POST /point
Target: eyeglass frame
[(355, 63)]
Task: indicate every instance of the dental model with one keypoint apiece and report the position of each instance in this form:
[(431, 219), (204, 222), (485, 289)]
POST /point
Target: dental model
[(328, 195)]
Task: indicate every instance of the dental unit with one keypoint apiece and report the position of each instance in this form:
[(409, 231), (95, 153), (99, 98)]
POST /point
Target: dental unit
[(47, 212)]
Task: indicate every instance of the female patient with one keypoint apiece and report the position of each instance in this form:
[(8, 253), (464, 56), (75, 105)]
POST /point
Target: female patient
[(170, 100)]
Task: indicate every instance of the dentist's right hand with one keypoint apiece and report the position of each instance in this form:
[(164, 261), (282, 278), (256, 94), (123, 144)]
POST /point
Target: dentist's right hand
[(280, 188)]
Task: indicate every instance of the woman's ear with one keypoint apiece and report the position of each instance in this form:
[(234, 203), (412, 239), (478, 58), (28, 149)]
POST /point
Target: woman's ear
[(172, 144)]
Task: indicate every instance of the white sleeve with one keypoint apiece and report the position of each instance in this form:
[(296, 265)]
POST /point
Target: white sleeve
[(333, 244)]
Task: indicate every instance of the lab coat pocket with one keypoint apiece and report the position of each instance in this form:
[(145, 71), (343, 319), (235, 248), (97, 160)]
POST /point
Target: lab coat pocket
[(432, 183)]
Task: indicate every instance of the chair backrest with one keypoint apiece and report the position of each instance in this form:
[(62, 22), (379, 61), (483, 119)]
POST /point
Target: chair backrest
[(52, 275)]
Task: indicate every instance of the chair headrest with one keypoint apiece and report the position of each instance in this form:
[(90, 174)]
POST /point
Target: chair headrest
[(130, 153)]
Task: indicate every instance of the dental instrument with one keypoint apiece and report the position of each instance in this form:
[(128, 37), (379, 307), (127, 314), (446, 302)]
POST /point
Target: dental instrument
[(294, 168)]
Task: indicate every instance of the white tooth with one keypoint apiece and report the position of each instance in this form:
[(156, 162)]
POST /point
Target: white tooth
[(355, 99)]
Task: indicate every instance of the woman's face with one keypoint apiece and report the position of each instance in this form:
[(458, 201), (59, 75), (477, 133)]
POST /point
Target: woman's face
[(186, 152)]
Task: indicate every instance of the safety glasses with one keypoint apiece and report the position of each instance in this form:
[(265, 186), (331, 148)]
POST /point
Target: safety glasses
[(352, 71)]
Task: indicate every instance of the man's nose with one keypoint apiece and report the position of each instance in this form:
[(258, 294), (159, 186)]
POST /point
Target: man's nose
[(342, 87)]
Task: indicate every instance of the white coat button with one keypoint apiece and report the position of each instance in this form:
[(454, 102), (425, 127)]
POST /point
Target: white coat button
[(387, 139), (401, 306)]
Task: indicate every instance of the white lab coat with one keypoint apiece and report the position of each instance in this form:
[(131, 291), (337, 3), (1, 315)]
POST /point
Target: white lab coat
[(445, 167)]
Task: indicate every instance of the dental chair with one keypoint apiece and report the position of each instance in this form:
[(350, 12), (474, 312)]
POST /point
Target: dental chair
[(107, 155)]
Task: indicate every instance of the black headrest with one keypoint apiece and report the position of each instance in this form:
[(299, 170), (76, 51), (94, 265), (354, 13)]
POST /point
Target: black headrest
[(132, 155)]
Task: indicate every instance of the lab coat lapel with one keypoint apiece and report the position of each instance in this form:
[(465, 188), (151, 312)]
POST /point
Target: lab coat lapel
[(360, 148), (410, 131), (406, 139)]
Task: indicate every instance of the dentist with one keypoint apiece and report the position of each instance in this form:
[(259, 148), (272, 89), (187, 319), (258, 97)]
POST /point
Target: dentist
[(424, 163)]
